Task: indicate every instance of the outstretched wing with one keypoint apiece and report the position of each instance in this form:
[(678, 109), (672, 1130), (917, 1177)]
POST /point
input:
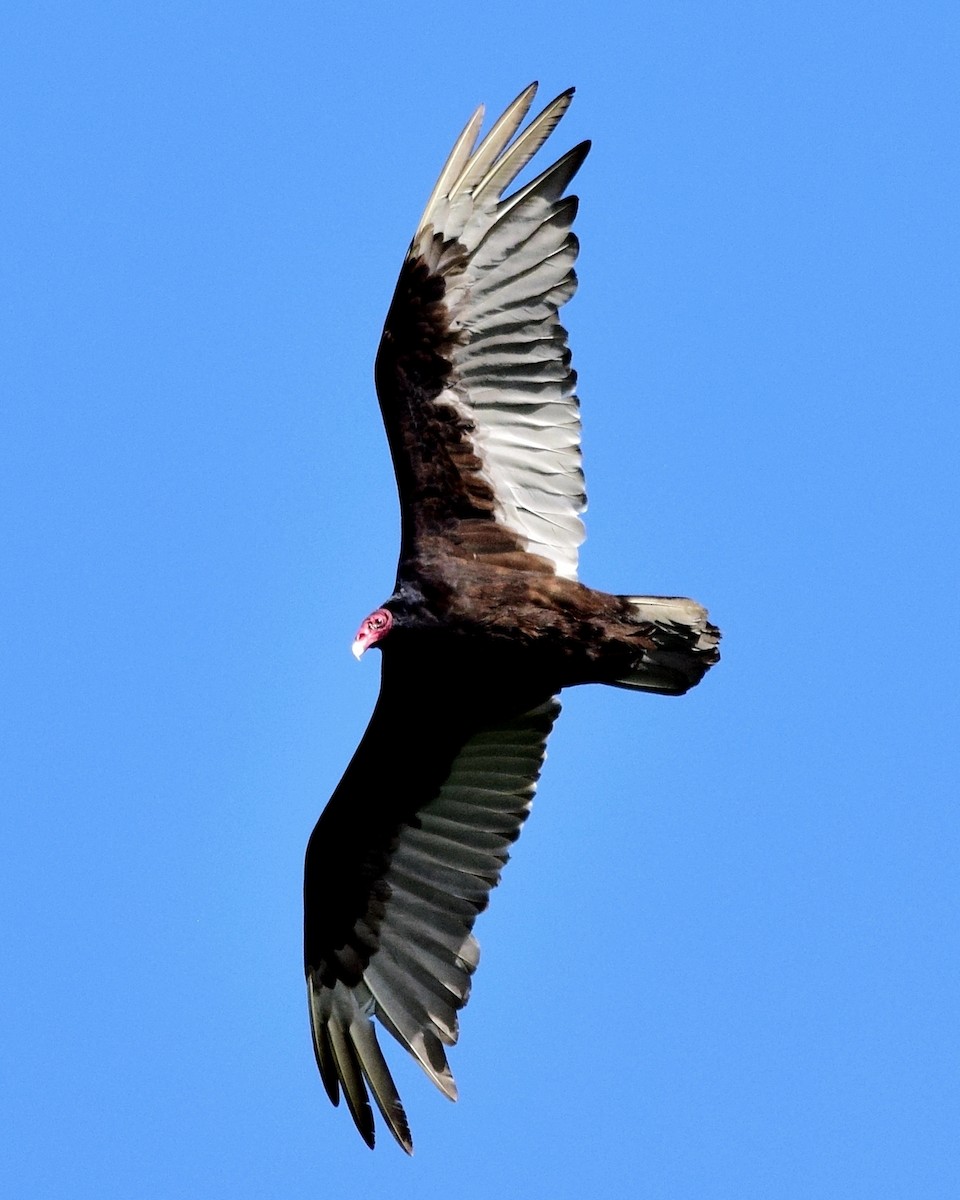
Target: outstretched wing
[(473, 371), (398, 867)]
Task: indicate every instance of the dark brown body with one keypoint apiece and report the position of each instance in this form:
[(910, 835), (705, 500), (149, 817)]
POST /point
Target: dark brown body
[(533, 623)]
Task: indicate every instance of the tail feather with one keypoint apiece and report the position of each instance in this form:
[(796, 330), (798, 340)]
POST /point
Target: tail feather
[(687, 645)]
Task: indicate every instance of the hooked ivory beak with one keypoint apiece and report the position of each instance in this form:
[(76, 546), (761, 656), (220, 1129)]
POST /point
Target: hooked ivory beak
[(374, 628)]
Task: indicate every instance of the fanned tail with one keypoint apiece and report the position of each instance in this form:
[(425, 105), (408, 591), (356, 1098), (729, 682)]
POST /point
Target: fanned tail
[(687, 646)]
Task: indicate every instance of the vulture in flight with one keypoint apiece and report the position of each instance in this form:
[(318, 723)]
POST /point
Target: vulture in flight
[(486, 624)]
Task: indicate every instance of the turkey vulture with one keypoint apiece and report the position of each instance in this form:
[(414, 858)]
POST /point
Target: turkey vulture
[(486, 623)]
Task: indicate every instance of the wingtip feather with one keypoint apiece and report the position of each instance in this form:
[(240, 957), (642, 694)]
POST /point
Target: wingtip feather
[(349, 1058)]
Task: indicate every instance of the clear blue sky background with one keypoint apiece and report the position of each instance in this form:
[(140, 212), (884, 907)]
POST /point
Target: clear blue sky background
[(724, 961)]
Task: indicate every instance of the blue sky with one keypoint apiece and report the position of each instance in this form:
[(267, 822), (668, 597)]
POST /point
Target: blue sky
[(723, 962)]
